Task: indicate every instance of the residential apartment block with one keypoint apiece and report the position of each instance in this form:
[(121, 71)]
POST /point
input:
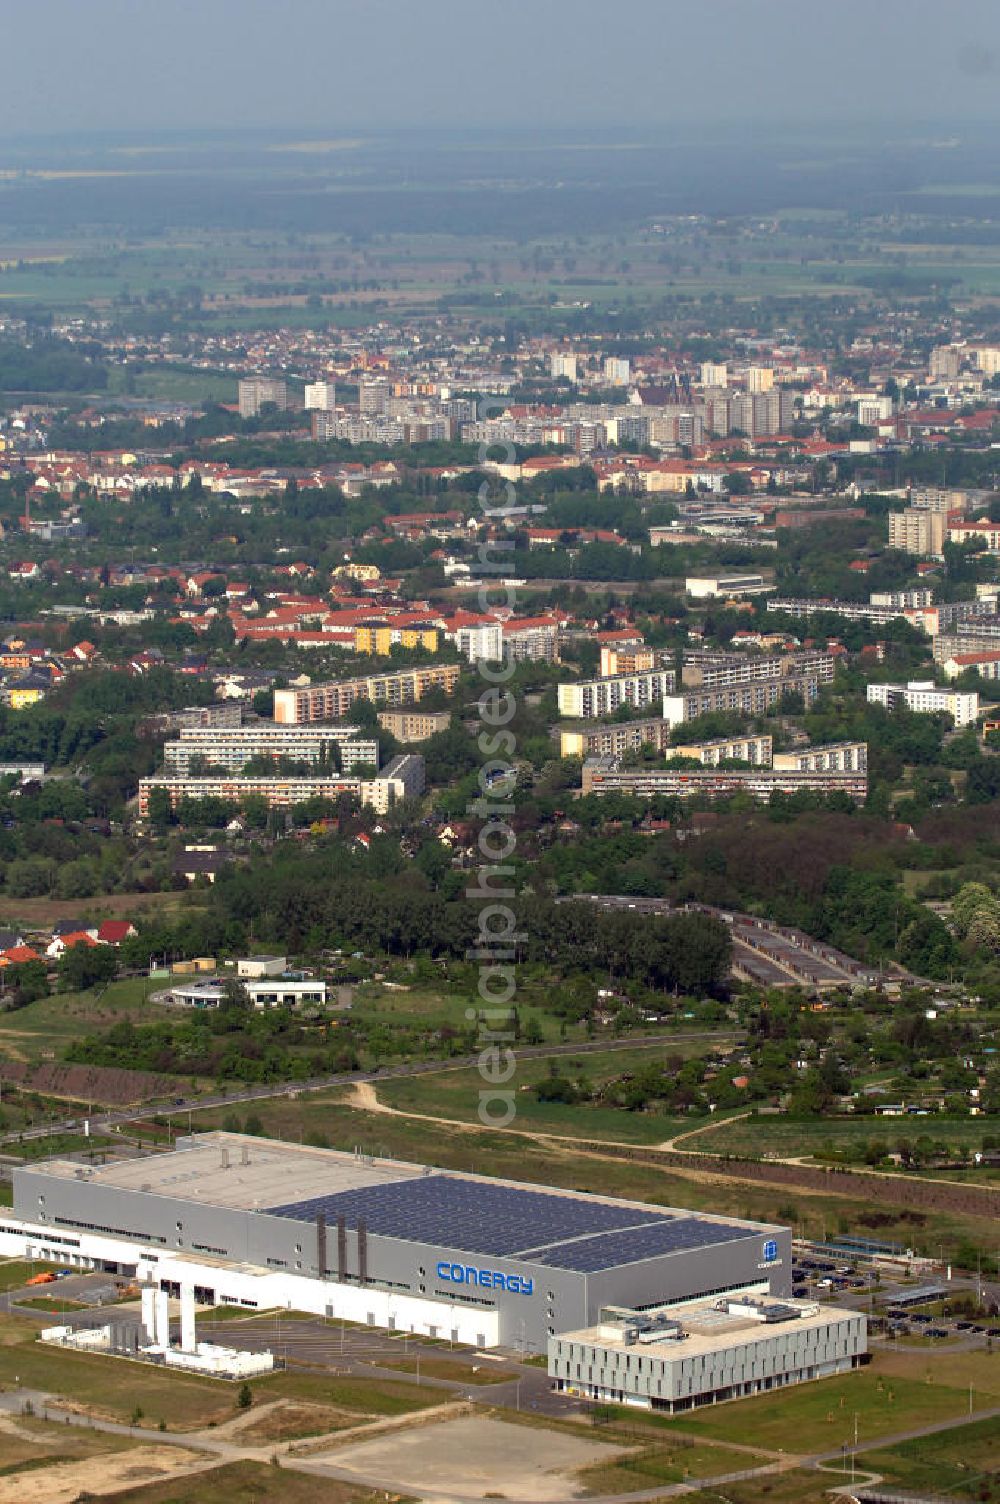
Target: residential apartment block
[(918, 531), (925, 698), (332, 701), (596, 697), (710, 670), (604, 775), (756, 750), (535, 638), (233, 748), (836, 757), (402, 778), (256, 392), (614, 738), (414, 725), (746, 699)]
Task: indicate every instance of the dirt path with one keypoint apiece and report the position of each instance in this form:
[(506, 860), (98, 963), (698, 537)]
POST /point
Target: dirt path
[(363, 1095), (671, 1143), (105, 1473)]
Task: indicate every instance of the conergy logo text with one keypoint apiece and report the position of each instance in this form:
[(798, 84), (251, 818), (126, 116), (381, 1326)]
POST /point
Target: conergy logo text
[(489, 1279)]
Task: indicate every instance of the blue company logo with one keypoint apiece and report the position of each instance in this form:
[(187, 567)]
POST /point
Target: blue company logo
[(489, 1279), (770, 1251)]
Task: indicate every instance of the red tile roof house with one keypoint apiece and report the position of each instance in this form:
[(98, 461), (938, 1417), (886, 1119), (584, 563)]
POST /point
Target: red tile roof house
[(62, 943), (114, 931)]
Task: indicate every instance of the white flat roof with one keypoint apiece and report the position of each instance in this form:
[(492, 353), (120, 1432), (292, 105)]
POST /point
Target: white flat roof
[(276, 1172)]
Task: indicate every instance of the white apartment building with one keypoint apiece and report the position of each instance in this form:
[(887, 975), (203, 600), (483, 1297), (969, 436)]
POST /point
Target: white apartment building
[(835, 757), (874, 410), (562, 365), (233, 747), (760, 379), (596, 697), (320, 396), (616, 371), (903, 600), (752, 749), (917, 531), (256, 392), (714, 373), (924, 697), (481, 643)]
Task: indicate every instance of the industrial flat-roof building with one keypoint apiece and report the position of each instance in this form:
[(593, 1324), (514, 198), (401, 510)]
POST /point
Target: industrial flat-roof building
[(261, 1224), (703, 1352)]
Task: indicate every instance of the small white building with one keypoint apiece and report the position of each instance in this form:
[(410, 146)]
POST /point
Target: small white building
[(712, 587), (261, 966), (263, 992)]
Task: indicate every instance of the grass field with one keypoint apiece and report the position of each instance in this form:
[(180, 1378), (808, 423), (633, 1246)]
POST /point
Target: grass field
[(456, 1094), (798, 1486), (252, 1483), (785, 1137), (964, 1462), (15, 1273), (819, 1417), (113, 1387), (645, 1467), (42, 1030)]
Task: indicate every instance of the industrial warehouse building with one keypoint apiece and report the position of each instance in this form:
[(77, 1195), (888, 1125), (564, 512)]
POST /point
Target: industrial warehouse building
[(703, 1352), (259, 1224)]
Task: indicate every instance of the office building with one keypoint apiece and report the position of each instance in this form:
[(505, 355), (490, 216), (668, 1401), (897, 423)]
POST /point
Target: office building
[(261, 1225), (262, 992), (697, 1353), (596, 697)]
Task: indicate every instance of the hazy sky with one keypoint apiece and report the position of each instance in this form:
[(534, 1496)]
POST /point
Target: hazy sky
[(321, 65)]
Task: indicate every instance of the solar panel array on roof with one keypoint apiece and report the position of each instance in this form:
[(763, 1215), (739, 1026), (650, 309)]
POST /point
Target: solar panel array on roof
[(607, 1250), (486, 1218)]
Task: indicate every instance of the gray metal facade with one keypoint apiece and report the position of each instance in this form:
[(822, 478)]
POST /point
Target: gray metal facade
[(559, 1299)]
